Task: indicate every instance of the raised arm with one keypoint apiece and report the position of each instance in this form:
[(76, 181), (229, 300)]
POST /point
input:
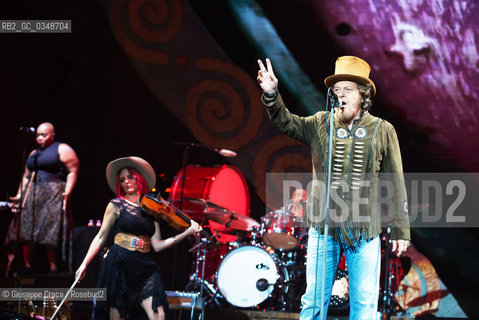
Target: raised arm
[(296, 127)]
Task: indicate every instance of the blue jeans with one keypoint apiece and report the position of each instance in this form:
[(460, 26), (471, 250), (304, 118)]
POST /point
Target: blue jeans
[(363, 268)]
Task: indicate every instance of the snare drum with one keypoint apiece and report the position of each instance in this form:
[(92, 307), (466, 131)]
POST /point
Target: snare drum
[(247, 276), (281, 231)]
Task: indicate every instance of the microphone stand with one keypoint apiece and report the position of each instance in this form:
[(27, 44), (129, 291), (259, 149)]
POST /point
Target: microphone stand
[(184, 161), (216, 149), (326, 217), (186, 151), (21, 203), (388, 276)]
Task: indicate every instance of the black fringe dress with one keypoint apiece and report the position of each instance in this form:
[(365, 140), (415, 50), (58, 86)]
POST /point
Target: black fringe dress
[(130, 276)]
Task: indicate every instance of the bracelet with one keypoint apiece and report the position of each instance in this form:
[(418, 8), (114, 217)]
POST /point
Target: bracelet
[(270, 96), (174, 239)]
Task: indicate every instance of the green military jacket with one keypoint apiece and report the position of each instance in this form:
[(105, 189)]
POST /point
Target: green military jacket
[(367, 183)]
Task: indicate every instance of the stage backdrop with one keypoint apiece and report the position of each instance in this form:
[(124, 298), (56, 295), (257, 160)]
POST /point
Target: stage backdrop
[(192, 76)]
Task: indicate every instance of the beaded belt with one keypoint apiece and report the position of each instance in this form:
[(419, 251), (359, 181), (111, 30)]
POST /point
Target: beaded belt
[(132, 242)]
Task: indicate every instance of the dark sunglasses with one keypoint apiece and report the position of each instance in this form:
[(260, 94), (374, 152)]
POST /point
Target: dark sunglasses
[(130, 177)]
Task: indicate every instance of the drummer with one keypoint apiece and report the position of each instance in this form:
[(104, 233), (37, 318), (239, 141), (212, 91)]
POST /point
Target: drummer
[(298, 206), (294, 208), (284, 227)]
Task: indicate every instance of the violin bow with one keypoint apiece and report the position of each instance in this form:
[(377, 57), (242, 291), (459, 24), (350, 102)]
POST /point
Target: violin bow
[(66, 296)]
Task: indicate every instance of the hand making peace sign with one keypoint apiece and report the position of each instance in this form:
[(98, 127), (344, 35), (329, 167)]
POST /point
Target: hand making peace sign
[(266, 78)]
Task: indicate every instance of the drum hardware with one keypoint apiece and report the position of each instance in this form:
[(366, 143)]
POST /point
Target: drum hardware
[(256, 234), (392, 272), (210, 295), (197, 279), (288, 258)]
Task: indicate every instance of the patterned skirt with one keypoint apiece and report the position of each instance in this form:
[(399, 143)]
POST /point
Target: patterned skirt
[(42, 220)]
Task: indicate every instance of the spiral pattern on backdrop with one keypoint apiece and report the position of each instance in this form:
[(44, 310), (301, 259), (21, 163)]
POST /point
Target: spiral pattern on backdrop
[(223, 109), (155, 20), (280, 154), (141, 26)]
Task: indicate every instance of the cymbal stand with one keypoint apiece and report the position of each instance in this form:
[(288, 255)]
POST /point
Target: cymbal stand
[(192, 284), (197, 278), (202, 278), (283, 285), (256, 234)]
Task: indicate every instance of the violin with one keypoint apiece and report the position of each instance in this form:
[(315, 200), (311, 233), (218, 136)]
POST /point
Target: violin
[(160, 208)]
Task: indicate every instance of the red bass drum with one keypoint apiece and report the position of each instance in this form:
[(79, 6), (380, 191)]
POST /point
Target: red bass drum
[(221, 185)]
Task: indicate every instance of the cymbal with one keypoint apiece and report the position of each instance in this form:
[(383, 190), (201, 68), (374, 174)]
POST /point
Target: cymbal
[(231, 220), (233, 232), (205, 203), (221, 215)]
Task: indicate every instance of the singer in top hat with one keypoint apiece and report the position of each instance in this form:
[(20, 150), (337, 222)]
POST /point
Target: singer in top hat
[(363, 146)]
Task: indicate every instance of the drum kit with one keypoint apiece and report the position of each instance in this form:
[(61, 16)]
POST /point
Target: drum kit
[(254, 264), (260, 265)]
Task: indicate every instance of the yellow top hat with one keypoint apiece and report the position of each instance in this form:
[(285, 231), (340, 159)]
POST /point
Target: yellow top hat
[(350, 68)]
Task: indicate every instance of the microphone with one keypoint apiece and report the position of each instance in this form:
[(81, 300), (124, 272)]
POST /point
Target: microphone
[(225, 152), (333, 97), (27, 129), (288, 205)]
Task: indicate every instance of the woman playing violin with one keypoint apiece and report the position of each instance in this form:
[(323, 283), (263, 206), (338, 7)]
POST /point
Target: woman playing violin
[(132, 278)]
